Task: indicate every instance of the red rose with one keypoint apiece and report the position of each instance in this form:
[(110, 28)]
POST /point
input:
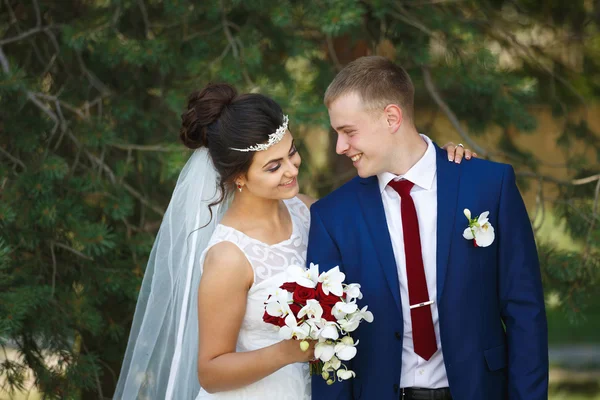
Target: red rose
[(295, 309), (329, 299), (327, 312), (301, 294), (277, 321), (289, 286)]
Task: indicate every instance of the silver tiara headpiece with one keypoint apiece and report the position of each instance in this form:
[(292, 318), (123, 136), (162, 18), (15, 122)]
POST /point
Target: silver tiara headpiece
[(273, 138)]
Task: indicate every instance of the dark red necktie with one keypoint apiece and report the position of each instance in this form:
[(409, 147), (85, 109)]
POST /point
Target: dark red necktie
[(420, 305)]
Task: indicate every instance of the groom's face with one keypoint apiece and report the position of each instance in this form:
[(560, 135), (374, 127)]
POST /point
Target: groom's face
[(362, 134)]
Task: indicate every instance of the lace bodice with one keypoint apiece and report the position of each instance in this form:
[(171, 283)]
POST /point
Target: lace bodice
[(269, 263)]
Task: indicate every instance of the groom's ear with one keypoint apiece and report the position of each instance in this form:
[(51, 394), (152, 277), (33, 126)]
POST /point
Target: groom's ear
[(393, 116)]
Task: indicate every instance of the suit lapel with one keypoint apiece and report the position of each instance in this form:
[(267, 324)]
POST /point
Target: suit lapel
[(448, 179), (372, 208)]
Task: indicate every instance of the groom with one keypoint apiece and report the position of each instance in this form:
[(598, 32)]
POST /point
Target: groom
[(453, 320)]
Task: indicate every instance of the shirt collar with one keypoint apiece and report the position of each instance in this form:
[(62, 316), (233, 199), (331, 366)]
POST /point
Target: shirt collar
[(421, 174)]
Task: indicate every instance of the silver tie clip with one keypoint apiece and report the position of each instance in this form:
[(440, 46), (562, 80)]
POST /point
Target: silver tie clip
[(421, 304)]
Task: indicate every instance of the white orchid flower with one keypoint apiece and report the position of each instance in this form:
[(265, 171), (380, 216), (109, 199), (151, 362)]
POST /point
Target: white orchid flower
[(332, 281), (483, 218), (278, 292), (304, 277), (349, 325), (329, 331), (292, 330), (277, 308), (312, 326), (312, 309), (278, 304), (353, 291), (351, 322), (485, 235), (480, 230), (345, 374), (364, 314), (280, 295), (324, 351), (347, 340), (341, 309), (332, 364), (345, 351), (468, 233)]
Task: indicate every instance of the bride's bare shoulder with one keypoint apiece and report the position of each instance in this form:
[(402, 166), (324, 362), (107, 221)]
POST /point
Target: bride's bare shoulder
[(225, 258)]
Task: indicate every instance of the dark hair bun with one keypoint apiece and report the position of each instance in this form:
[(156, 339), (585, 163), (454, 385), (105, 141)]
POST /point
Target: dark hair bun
[(203, 109)]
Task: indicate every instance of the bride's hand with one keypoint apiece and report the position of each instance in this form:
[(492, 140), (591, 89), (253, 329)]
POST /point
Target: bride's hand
[(456, 152), (291, 350)]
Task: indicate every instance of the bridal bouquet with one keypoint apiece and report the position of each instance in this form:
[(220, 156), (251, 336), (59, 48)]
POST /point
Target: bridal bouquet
[(320, 307)]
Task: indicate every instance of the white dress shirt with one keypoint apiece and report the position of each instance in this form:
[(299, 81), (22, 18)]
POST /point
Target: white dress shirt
[(416, 371)]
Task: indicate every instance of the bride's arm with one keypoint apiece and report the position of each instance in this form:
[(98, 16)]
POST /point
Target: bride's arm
[(222, 295)]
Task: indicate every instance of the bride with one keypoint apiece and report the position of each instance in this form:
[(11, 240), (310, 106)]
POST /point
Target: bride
[(234, 224)]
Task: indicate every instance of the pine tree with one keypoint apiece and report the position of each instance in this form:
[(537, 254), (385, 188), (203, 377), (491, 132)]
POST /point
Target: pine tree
[(90, 98)]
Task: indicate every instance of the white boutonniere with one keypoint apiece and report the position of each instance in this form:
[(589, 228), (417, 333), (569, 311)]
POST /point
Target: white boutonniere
[(480, 230)]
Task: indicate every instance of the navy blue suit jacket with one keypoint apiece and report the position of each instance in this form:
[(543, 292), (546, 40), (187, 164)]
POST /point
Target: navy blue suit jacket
[(491, 307)]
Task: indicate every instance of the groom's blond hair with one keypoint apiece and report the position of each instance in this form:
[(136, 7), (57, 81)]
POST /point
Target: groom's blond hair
[(378, 81)]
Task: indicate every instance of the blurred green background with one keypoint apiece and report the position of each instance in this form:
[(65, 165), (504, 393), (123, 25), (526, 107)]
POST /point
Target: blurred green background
[(91, 93)]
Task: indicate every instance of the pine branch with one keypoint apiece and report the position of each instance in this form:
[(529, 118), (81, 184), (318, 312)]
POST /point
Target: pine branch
[(222, 56), (332, 53), (187, 38), (583, 216), (72, 250), (234, 45), (588, 241), (506, 36), (103, 167), (4, 62), (531, 53), (583, 181), (26, 34), (93, 79), (139, 147), (433, 92), (540, 208), (420, 3), (53, 269), (574, 182), (38, 16), (126, 186), (404, 16), (55, 100), (13, 17), (13, 158), (30, 95), (144, 13)]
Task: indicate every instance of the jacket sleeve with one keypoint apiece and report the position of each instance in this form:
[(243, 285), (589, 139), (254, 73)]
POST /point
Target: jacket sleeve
[(521, 297)]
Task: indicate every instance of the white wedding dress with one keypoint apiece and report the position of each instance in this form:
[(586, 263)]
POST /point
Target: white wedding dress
[(269, 263)]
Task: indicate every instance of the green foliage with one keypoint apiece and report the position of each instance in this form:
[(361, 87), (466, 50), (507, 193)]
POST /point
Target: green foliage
[(89, 116)]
